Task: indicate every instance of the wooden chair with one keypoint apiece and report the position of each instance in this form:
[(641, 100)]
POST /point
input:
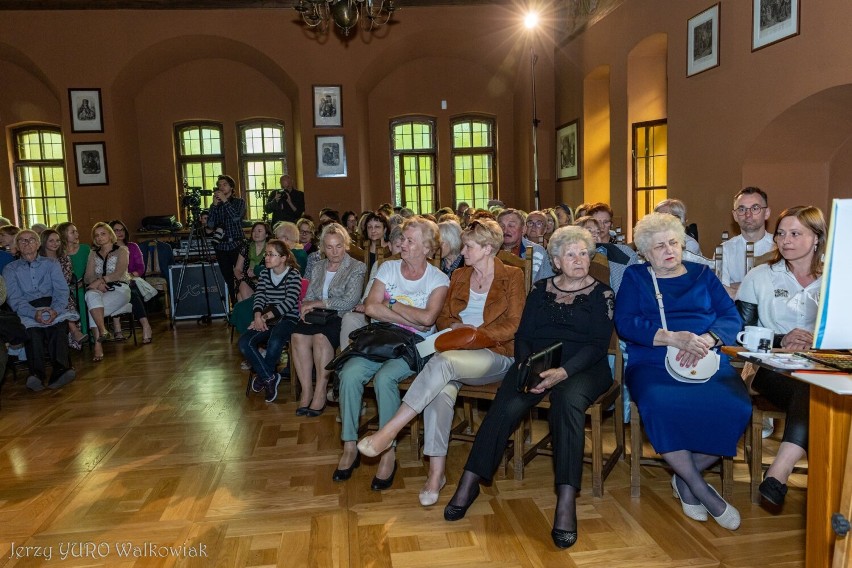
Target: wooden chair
[(760, 408), (601, 465), (636, 460), (525, 264)]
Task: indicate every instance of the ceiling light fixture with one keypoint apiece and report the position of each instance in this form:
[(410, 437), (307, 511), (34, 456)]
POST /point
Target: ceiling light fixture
[(345, 14)]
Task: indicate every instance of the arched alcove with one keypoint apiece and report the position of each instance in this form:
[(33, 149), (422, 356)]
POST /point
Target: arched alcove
[(647, 100), (805, 154)]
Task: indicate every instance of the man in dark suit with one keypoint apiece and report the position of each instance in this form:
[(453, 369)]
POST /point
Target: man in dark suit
[(286, 204)]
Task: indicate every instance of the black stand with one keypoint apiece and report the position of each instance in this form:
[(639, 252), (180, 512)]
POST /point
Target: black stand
[(197, 231)]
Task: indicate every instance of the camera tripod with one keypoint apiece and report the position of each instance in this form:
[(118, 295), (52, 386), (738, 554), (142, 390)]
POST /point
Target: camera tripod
[(198, 233)]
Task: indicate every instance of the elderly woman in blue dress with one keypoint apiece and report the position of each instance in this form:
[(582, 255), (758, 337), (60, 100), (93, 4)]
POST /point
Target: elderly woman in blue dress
[(690, 425)]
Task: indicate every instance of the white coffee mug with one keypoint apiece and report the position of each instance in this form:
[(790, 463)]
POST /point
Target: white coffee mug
[(750, 338)]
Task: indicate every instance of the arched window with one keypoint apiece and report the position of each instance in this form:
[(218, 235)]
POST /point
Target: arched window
[(40, 186), (199, 156), (474, 161), (263, 160), (413, 151)]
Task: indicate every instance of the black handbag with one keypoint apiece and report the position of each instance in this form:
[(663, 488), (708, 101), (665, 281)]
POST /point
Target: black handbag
[(538, 362), (381, 341), (320, 316)]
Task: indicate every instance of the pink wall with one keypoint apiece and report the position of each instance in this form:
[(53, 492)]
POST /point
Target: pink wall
[(716, 117)]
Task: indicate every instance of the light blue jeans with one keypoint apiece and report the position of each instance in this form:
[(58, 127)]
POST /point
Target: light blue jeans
[(354, 375)]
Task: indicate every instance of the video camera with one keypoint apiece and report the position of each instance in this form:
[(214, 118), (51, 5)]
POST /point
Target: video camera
[(191, 198)]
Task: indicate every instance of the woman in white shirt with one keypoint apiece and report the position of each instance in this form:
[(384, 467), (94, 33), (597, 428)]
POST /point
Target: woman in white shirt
[(783, 296), (409, 293)]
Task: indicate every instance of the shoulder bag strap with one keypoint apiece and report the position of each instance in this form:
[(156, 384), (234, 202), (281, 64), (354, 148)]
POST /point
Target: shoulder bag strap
[(659, 297)]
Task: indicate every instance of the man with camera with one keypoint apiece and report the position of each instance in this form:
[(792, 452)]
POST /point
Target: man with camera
[(286, 204), (227, 213)]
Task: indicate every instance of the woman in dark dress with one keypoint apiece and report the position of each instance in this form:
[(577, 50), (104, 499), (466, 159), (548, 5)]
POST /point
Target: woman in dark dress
[(690, 425), (575, 309)]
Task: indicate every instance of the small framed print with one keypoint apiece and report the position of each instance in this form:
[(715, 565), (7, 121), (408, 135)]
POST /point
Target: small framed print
[(702, 41), (568, 151), (331, 157), (328, 106), (91, 162), (87, 113), (773, 21)]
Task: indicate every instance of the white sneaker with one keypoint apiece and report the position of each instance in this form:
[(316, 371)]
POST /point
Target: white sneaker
[(768, 427)]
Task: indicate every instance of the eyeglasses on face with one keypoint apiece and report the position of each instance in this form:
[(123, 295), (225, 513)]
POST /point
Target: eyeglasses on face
[(30, 240), (754, 209), (536, 223), (272, 254)]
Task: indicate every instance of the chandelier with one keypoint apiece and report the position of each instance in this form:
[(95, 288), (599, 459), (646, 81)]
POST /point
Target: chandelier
[(345, 13)]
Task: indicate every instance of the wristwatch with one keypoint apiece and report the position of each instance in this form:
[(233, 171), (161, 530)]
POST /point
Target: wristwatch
[(391, 302), (717, 340)]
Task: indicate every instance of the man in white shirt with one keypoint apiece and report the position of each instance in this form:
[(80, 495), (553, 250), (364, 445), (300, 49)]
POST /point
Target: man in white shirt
[(751, 212)]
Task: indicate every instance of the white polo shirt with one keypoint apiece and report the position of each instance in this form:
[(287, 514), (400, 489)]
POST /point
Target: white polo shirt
[(734, 256), (782, 303)]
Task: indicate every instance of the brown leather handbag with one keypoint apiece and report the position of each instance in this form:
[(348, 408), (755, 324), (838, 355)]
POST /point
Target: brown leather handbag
[(464, 338)]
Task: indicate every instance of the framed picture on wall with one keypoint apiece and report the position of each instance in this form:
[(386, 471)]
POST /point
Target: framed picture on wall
[(773, 21), (86, 110), (702, 41), (331, 157), (328, 106), (91, 161), (568, 151)]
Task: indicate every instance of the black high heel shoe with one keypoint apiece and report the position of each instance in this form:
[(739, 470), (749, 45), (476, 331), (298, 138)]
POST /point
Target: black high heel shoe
[(563, 539), (457, 513), (383, 484), (344, 474)]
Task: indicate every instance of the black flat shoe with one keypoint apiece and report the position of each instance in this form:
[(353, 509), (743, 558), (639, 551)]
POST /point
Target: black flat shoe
[(563, 539), (382, 484), (314, 413), (344, 474), (456, 513), (773, 490)]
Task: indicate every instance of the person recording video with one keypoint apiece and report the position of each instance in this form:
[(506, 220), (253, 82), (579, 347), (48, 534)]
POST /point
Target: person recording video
[(286, 204), (226, 213)]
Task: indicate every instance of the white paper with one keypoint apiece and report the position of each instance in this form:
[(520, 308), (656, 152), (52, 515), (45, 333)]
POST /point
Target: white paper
[(427, 346), (834, 324)]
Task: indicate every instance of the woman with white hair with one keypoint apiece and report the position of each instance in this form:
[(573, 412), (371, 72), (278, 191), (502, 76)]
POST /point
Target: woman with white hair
[(451, 244), (690, 424), (677, 208), (575, 309)]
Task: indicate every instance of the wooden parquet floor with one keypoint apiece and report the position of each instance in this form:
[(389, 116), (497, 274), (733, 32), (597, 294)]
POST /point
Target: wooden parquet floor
[(155, 457)]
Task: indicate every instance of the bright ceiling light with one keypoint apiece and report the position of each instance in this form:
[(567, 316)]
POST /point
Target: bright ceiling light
[(531, 20)]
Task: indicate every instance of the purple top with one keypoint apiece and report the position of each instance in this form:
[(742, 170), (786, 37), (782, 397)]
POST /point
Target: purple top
[(136, 265)]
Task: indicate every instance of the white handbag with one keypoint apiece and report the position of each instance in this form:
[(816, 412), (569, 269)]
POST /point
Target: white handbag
[(706, 367), (145, 289)]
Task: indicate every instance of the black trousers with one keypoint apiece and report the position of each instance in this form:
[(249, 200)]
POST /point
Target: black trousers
[(227, 259), (569, 400), (137, 302), (55, 337), (793, 396)]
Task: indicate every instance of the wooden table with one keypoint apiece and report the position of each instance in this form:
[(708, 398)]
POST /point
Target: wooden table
[(830, 459)]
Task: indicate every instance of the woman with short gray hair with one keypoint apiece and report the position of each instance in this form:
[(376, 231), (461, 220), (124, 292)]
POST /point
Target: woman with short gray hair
[(451, 245)]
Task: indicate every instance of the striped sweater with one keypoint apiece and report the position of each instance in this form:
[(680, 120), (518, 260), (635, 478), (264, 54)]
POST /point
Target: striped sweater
[(283, 298)]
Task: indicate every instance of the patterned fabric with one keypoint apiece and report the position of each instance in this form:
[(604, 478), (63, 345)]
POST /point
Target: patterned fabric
[(284, 298), (228, 216)]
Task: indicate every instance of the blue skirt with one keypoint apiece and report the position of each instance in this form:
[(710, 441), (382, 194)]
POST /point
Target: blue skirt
[(706, 418)]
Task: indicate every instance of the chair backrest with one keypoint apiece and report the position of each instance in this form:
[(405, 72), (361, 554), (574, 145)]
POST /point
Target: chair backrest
[(717, 261), (524, 264), (599, 268), (749, 259)]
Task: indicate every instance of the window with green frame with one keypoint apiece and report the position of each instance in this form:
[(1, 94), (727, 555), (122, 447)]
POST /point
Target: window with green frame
[(199, 156), (413, 156), (40, 185), (650, 166), (263, 160), (474, 167)]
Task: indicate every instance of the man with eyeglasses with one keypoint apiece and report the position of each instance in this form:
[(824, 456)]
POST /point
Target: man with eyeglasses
[(751, 212), (38, 293), (512, 222)]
